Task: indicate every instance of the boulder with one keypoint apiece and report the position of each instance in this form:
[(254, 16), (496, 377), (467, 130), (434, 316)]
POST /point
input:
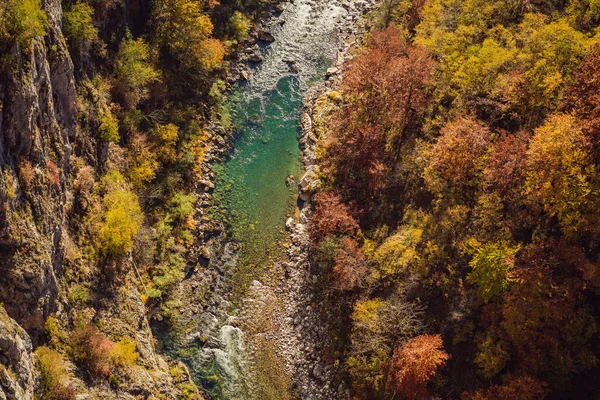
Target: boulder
[(255, 58), (309, 184), (265, 36)]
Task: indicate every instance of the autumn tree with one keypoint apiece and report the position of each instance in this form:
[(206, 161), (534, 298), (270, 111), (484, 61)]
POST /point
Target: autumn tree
[(122, 217), (385, 88), (560, 175), (377, 324), (514, 387), (79, 26), (415, 363), (544, 317), (505, 167), (331, 217), (134, 70), (21, 21), (185, 32), (583, 98), (350, 266), (455, 160), (492, 266)]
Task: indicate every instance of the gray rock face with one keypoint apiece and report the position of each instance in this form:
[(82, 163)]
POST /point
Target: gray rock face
[(17, 371)]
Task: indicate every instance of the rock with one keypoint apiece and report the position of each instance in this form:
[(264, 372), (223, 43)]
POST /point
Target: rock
[(17, 374), (255, 58), (289, 180), (332, 71), (309, 183), (317, 371), (265, 36), (207, 184), (244, 75), (289, 224)]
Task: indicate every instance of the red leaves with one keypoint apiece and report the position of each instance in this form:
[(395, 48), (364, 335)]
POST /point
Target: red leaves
[(415, 363), (385, 88), (92, 350), (518, 388), (505, 170), (350, 268), (331, 216), (583, 98)]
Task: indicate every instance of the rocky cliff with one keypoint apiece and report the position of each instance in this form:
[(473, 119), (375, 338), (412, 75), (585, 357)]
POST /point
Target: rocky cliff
[(42, 269)]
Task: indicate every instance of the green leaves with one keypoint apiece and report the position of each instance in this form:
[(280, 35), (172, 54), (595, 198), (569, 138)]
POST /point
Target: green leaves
[(491, 267)]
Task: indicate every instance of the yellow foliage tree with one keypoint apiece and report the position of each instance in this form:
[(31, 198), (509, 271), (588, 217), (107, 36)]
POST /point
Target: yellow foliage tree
[(122, 218)]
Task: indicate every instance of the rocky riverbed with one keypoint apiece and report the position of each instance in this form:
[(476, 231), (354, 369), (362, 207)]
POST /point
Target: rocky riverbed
[(218, 340)]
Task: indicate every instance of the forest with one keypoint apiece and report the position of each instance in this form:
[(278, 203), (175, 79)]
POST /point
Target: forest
[(456, 238)]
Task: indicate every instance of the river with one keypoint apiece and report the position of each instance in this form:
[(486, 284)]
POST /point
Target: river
[(256, 189)]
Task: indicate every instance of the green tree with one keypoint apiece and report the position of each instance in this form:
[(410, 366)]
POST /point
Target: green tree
[(134, 70), (491, 268), (78, 23), (21, 21)]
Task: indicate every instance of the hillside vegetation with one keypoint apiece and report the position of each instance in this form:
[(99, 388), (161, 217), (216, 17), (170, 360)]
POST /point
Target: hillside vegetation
[(104, 108), (457, 233)]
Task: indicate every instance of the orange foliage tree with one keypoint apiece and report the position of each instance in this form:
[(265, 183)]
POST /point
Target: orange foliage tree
[(385, 89), (415, 363), (455, 160), (583, 97)]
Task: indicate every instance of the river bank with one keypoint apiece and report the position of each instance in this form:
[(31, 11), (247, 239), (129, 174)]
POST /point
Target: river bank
[(268, 342)]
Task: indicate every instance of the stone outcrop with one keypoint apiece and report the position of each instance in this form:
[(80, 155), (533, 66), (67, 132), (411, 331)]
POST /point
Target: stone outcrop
[(17, 367)]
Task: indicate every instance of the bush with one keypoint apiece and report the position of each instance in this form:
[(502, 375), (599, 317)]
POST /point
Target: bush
[(109, 127), (165, 137), (239, 25), (54, 375), (181, 206), (124, 353), (92, 351)]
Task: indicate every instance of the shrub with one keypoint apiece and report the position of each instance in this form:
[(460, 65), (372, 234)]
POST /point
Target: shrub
[(239, 25), (181, 206), (92, 351), (53, 173), (351, 267), (331, 216), (165, 137), (26, 174), (109, 127), (142, 161), (54, 375), (124, 353)]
